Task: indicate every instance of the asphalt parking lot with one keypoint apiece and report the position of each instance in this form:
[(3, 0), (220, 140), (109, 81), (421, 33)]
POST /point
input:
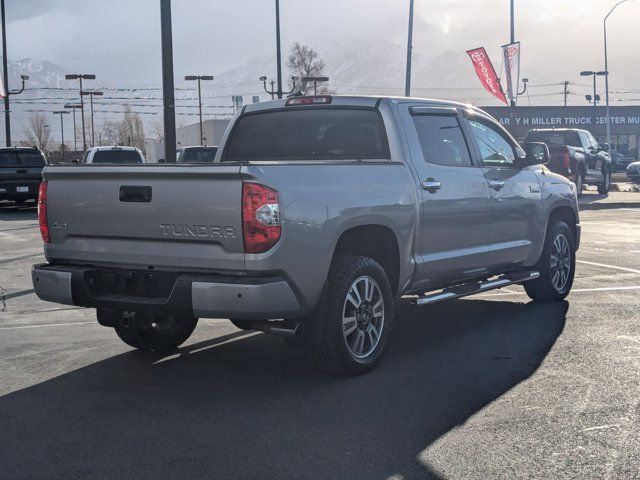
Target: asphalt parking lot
[(492, 386)]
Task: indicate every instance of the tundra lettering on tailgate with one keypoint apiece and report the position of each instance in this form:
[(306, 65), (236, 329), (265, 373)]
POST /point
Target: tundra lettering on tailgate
[(201, 231)]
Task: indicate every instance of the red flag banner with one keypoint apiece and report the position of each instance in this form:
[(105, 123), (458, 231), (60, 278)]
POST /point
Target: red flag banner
[(486, 73)]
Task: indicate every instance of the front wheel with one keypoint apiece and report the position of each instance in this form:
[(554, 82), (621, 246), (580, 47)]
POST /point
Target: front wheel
[(557, 265), (358, 316), (606, 182), (154, 333)]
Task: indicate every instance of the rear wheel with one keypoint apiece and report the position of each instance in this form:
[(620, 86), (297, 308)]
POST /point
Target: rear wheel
[(154, 333), (606, 182), (556, 265), (358, 317)]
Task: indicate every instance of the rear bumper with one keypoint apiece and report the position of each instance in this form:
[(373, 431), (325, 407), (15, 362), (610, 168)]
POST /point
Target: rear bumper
[(199, 295), (9, 189)]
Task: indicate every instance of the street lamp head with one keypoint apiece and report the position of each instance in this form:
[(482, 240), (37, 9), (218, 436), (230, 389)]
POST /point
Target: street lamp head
[(190, 77), (525, 80), (24, 77), (295, 79), (601, 73), (206, 77), (88, 76), (263, 78), (84, 76), (586, 73), (72, 76)]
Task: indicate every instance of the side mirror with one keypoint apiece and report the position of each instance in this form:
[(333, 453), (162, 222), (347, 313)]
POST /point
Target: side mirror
[(605, 146), (537, 154)]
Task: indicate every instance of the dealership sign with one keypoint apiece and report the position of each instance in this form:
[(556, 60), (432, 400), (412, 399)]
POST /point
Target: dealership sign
[(511, 60), (486, 73), (519, 120)]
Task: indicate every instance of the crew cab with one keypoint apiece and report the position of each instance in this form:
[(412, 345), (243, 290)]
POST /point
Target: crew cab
[(113, 155), (20, 173), (317, 215), (577, 155)]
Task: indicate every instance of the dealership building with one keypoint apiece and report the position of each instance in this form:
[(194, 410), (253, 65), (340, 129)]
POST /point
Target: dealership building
[(624, 121)]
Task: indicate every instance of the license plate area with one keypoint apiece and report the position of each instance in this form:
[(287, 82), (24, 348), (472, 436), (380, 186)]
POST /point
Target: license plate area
[(130, 283), (22, 189)]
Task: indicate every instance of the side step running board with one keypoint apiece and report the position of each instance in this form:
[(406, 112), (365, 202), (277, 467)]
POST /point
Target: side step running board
[(472, 288)]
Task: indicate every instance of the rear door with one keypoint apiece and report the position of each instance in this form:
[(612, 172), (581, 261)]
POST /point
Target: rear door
[(455, 203), (515, 195)]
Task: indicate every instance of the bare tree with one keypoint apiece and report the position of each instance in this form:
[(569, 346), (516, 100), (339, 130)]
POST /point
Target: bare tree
[(38, 133), (157, 130), (304, 61), (131, 130)]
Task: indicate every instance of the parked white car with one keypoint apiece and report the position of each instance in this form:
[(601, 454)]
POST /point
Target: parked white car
[(113, 155)]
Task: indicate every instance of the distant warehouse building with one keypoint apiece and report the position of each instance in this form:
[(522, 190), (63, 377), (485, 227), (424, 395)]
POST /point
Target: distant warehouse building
[(189, 135), (625, 122)]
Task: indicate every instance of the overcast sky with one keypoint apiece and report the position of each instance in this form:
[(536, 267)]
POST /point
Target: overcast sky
[(120, 39)]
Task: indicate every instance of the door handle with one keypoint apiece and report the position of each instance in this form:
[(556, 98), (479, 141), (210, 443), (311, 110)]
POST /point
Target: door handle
[(496, 184), (431, 185)]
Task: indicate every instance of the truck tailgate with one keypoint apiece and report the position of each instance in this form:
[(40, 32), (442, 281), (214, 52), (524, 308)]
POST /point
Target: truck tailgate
[(182, 217)]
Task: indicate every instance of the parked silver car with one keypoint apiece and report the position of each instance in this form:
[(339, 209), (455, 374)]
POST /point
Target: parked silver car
[(318, 214)]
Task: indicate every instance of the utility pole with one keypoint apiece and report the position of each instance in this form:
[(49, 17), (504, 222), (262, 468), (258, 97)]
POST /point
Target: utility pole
[(168, 102), (80, 77), (199, 78), (566, 91), (91, 93), (61, 113), (407, 81), (5, 72), (278, 55), (315, 81), (73, 107)]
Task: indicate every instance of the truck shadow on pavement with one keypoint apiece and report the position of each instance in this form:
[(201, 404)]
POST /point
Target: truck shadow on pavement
[(244, 406)]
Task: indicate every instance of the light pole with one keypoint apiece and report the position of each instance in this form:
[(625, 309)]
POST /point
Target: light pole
[(594, 74), (315, 81), (5, 72), (199, 78), (73, 107), (91, 93), (278, 55), (273, 92), (61, 113), (407, 80), (606, 69), (80, 77), (168, 101)]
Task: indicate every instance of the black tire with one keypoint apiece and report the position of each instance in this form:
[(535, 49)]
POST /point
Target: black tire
[(604, 187), (548, 287), (579, 182), (242, 324), (333, 350), (160, 334)]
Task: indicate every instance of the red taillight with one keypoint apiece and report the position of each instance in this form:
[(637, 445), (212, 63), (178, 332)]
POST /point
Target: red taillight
[(314, 100), (260, 217), (566, 159), (42, 212)]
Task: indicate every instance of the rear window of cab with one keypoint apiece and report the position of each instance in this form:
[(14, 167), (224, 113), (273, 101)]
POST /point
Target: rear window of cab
[(308, 134)]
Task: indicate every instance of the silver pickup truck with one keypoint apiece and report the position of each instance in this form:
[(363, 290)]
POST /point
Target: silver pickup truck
[(317, 214)]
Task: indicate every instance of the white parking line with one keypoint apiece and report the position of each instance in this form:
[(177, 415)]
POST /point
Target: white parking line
[(604, 265), (46, 325)]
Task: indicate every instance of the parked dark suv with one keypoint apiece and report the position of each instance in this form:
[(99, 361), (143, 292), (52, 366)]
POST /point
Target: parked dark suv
[(20, 173)]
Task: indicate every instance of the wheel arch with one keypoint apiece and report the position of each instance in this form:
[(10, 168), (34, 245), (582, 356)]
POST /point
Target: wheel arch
[(375, 241)]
